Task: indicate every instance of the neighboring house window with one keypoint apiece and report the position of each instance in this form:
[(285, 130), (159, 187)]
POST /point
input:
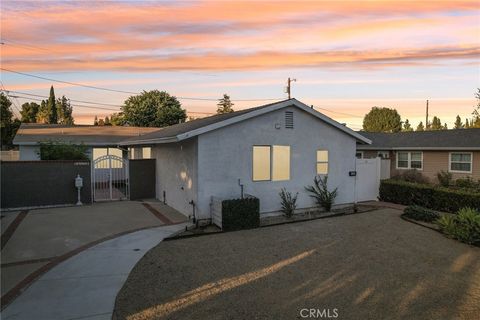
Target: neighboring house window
[(383, 154), (461, 162), (261, 163), (322, 161), (271, 163), (359, 155), (409, 160)]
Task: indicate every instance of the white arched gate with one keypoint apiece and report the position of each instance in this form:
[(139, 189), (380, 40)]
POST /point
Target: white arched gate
[(110, 178)]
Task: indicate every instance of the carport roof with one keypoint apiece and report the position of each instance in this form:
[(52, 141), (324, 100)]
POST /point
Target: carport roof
[(193, 128), (32, 133), (455, 139)]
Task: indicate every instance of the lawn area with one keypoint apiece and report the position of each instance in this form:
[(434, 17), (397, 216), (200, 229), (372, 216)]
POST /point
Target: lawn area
[(367, 266)]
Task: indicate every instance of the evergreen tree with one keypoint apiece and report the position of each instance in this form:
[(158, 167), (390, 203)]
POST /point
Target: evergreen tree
[(29, 112), (458, 123), (8, 125), (420, 127), (445, 127), (117, 119), (42, 114), (101, 122), (436, 124), (407, 126), (467, 124), (52, 108), (382, 120), (107, 121), (95, 121), (64, 111), (224, 105)]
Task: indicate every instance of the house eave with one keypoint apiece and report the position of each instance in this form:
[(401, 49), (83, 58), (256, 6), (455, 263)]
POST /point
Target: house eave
[(373, 148)]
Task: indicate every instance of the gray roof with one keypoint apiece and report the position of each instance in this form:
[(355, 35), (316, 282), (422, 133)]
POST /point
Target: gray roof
[(33, 133), (192, 128), (455, 139)]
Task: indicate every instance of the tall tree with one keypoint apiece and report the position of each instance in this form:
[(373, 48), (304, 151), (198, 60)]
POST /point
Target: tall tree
[(382, 120), (95, 121), (436, 124), (224, 105), (467, 124), (52, 107), (420, 127), (475, 123), (64, 111), (407, 126), (29, 112), (42, 114), (107, 121), (8, 125), (458, 123), (153, 109)]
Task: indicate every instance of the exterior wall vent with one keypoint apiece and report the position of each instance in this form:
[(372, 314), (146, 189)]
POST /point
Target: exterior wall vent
[(289, 119)]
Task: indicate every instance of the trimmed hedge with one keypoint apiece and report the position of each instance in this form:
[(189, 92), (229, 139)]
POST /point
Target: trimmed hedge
[(240, 214), (432, 197), (420, 213)]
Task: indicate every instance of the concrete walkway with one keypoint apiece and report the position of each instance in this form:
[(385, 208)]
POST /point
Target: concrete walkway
[(85, 286)]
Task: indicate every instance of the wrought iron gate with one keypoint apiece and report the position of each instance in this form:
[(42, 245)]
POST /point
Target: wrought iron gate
[(110, 178)]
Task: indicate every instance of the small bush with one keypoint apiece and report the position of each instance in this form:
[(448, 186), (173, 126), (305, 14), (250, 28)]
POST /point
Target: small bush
[(412, 175), (467, 183), (319, 192), (465, 226), (240, 214), (420, 214), (289, 202), (428, 196), (444, 178)]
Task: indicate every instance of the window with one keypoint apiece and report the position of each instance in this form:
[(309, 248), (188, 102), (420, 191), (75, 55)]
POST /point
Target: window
[(409, 160), (147, 152), (359, 155), (271, 163), (383, 154), (281, 163), (261, 163), (322, 161), (461, 162)]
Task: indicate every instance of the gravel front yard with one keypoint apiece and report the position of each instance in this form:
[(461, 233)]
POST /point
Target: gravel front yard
[(367, 266)]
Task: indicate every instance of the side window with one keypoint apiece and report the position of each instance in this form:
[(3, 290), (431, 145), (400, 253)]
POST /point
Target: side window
[(322, 161), (281, 163), (261, 163)]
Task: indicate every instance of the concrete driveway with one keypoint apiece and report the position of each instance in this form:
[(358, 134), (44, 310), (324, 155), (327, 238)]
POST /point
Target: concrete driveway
[(367, 266), (35, 241)]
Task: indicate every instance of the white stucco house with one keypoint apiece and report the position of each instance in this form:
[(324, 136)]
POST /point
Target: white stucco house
[(264, 149)]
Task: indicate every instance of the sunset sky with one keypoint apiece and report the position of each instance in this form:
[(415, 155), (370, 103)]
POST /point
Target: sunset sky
[(346, 56)]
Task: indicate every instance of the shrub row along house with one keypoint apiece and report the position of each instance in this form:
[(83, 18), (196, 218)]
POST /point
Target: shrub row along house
[(256, 151), (429, 152)]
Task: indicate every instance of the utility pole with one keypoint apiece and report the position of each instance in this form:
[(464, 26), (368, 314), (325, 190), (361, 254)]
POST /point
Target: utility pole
[(288, 89), (426, 117)]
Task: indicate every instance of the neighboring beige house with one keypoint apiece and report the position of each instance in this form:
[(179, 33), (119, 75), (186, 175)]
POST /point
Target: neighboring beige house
[(456, 151)]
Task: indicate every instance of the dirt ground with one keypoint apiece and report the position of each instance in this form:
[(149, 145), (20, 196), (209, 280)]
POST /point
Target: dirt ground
[(367, 266)]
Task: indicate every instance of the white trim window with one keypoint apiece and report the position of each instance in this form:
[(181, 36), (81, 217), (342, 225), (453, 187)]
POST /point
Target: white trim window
[(271, 163), (410, 160), (322, 162), (460, 162)]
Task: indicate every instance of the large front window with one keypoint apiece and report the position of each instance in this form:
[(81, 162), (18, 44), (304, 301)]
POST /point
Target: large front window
[(271, 163), (461, 162), (409, 160)]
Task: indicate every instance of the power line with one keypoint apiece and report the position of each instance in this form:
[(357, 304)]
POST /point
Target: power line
[(338, 112), (122, 91), (82, 101), (73, 105)]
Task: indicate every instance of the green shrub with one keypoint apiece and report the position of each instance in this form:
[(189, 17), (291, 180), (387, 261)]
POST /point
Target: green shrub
[(428, 196), (240, 214), (289, 202), (467, 183), (444, 178), (62, 151), (412, 175), (420, 213), (465, 226), (319, 192)]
